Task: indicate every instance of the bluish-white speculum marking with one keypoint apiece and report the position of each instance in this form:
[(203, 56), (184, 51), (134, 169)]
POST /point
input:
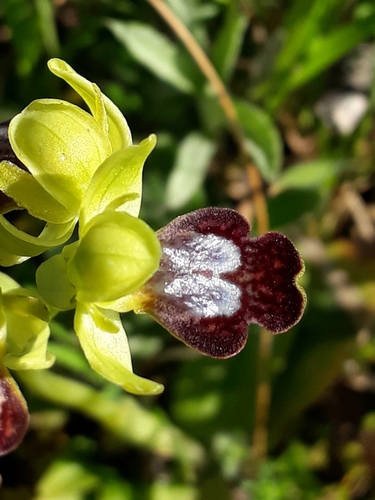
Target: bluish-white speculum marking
[(195, 271)]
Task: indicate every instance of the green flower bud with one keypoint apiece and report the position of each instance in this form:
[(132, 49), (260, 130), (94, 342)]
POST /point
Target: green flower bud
[(116, 255)]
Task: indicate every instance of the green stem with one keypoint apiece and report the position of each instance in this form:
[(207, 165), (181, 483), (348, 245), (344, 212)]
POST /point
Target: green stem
[(125, 417)]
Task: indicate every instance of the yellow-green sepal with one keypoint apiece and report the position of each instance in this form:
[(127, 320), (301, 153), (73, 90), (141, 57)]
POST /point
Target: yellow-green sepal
[(7, 283), (22, 187), (61, 145), (105, 112), (105, 344)]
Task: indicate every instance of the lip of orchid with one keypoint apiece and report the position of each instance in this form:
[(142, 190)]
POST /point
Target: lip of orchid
[(214, 280)]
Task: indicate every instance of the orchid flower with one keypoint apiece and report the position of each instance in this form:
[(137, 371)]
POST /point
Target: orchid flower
[(24, 334), (202, 276), (214, 280), (83, 167), (114, 256), (61, 147)]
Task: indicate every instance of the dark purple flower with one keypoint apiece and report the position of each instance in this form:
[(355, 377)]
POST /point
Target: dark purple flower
[(214, 280), (14, 415)]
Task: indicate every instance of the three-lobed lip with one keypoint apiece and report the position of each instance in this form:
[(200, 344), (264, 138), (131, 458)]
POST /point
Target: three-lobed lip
[(214, 280)]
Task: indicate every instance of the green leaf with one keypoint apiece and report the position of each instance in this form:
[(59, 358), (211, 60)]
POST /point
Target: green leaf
[(318, 174), (326, 50), (21, 18), (228, 43), (189, 171), (65, 481), (210, 397), (161, 490), (108, 351), (325, 339), (263, 140), (303, 28), (288, 206), (153, 50), (309, 49), (126, 417), (46, 14)]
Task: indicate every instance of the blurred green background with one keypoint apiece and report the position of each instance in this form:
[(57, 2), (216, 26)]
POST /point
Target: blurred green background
[(301, 77)]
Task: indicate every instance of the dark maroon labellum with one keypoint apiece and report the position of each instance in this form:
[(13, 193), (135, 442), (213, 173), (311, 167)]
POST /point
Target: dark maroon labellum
[(214, 280), (14, 416), (6, 151)]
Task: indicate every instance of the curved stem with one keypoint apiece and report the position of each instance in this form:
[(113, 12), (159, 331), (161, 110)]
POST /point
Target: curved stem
[(124, 416), (200, 58)]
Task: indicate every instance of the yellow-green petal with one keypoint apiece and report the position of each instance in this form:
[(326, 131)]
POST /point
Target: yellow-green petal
[(27, 333), (108, 352), (22, 187), (122, 305), (115, 256), (118, 130), (31, 351), (8, 259), (7, 283), (25, 303), (117, 183), (16, 245), (54, 285), (61, 145)]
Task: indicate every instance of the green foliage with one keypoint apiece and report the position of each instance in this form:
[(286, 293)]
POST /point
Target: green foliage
[(154, 51), (88, 439), (188, 174), (263, 141), (227, 44)]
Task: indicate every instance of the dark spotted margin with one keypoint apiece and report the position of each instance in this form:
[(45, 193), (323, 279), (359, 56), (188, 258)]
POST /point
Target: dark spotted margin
[(214, 280)]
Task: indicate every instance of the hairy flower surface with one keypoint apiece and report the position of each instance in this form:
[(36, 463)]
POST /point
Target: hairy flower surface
[(214, 280)]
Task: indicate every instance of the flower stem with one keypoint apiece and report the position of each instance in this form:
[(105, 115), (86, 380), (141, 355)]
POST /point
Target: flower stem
[(123, 416), (263, 397)]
